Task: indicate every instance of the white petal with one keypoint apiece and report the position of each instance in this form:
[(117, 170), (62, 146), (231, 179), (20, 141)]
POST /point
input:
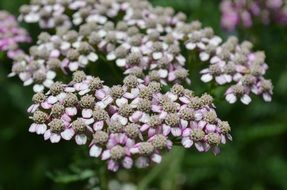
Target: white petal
[(55, 138), (93, 57), (41, 129), (51, 74), (121, 101), (87, 113), (68, 134), (156, 158), (204, 56), (48, 83), (231, 98), (111, 56), (190, 46), (142, 162), (206, 78), (163, 73), (245, 99), (157, 55), (38, 88), (121, 62), (83, 60), (32, 128), (95, 151), (186, 142), (73, 66), (267, 97), (81, 139), (65, 45), (52, 100), (175, 131)]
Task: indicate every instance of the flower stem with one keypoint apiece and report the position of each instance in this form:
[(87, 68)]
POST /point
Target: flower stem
[(104, 178)]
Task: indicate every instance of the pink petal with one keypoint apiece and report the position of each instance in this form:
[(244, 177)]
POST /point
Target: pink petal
[(32, 128), (176, 131), (98, 125), (127, 162), (113, 165), (199, 146), (166, 129), (106, 155)]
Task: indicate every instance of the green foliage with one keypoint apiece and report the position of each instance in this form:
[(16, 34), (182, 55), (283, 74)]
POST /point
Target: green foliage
[(256, 159)]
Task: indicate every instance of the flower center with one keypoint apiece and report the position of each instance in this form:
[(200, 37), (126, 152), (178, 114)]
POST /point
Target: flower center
[(101, 137), (57, 110), (56, 126), (117, 152), (213, 139), (211, 117), (40, 117), (39, 98), (96, 84), (197, 134), (159, 142), (115, 127), (224, 127), (146, 148), (126, 110), (186, 114), (100, 114), (70, 100), (117, 91), (177, 89), (87, 101), (79, 76), (132, 130), (56, 88), (79, 126)]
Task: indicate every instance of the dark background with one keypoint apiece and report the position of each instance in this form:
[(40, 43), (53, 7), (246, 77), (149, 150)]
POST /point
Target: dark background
[(256, 159)]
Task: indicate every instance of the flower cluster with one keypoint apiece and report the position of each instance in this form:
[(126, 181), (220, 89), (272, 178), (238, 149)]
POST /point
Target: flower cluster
[(136, 40), (143, 40), (65, 52), (134, 123), (11, 35), (232, 62), (244, 12), (127, 125)]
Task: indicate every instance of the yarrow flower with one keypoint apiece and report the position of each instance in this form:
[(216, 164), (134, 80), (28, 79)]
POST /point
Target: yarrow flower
[(11, 35), (131, 124), (127, 125), (236, 63), (242, 12), (145, 42)]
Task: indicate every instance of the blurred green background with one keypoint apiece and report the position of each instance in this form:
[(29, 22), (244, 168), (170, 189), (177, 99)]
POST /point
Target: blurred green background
[(256, 159)]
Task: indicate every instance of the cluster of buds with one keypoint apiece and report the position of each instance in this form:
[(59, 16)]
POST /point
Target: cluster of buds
[(64, 52), (244, 12), (136, 40), (127, 125), (11, 35), (143, 40), (232, 62)]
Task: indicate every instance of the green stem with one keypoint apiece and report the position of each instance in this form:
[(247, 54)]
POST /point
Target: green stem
[(157, 170), (104, 178)]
